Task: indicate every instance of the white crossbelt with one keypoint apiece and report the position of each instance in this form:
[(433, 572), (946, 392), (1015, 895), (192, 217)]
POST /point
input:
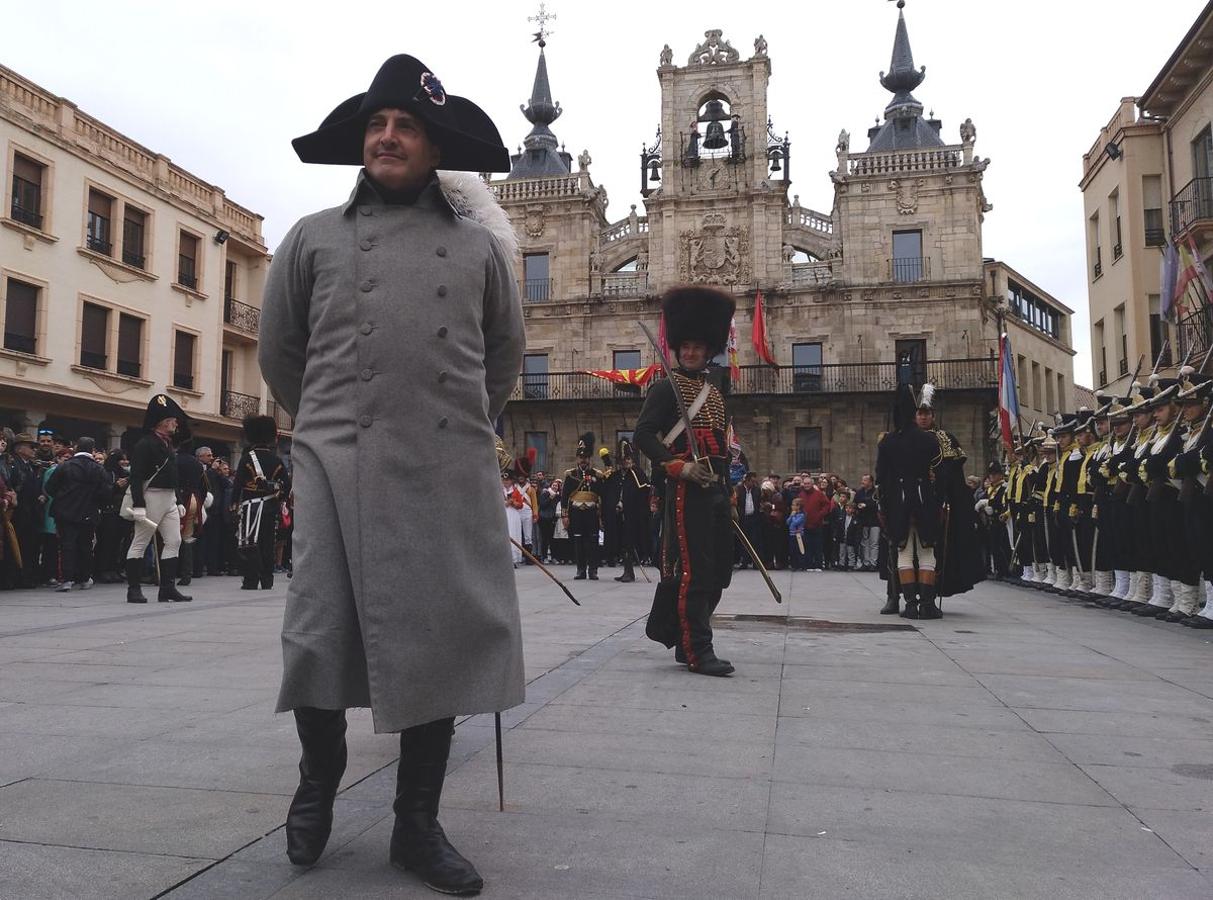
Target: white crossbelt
[(696, 406)]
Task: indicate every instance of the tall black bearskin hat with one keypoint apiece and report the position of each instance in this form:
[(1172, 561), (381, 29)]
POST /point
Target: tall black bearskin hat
[(698, 314), (585, 446), (905, 405), (162, 407), (260, 430)]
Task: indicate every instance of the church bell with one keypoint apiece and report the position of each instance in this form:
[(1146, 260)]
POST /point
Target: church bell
[(715, 138)]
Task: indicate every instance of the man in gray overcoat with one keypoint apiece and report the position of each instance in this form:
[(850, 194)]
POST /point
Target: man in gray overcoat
[(392, 331)]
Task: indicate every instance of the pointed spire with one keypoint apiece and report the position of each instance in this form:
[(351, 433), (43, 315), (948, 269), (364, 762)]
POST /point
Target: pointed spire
[(902, 78), (904, 127), (542, 111), (541, 157)]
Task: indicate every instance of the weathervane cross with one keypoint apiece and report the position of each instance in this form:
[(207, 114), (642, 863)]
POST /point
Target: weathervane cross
[(543, 17)]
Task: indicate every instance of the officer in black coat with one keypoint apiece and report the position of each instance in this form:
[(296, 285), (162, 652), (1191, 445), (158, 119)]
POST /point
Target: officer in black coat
[(635, 530), (264, 484), (79, 487), (906, 458), (581, 505)]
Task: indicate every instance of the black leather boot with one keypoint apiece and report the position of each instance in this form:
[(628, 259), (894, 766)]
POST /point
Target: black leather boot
[(910, 592), (926, 603), (709, 663), (134, 575), (185, 566), (321, 765), (629, 574), (168, 583), (892, 606), (419, 844)]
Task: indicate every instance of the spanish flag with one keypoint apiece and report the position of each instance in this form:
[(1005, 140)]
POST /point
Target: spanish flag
[(631, 377)]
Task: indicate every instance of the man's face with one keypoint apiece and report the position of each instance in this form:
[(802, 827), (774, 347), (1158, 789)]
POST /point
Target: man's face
[(796, 482), (1194, 411), (99, 455), (1142, 419), (866, 481), (206, 457), (925, 419), (1085, 438), (397, 152), (1165, 414), (1121, 428), (693, 355), (45, 442), (1103, 426), (225, 469), (1064, 441), (26, 451)]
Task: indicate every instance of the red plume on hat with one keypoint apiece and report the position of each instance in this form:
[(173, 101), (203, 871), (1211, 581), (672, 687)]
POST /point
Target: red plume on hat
[(523, 467)]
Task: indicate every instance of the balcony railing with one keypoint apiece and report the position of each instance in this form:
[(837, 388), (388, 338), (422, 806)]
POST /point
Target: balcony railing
[(811, 273), (625, 284), (1098, 269), (185, 272), (132, 258), (1155, 237), (909, 269), (284, 420), (22, 343), (97, 245), (536, 290), (26, 216), (92, 360), (241, 315), (836, 378), (131, 367), (237, 406), (1193, 203), (1124, 366), (1195, 334)]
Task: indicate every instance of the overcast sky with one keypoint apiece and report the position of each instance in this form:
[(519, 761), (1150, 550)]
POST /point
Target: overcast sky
[(222, 86)]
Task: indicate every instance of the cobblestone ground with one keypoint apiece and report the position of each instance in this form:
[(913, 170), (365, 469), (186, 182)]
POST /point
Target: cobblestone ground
[(1022, 746)]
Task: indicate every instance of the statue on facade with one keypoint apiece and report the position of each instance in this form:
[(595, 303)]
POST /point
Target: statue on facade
[(667, 56), (789, 253), (968, 136), (693, 140), (642, 261), (760, 46), (633, 221), (842, 150), (583, 161), (595, 261)]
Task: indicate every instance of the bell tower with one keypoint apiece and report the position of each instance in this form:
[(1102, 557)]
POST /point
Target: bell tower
[(716, 179)]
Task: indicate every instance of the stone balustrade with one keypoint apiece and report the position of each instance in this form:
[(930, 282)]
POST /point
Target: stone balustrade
[(812, 273), (537, 188), (625, 228), (810, 219), (900, 161)]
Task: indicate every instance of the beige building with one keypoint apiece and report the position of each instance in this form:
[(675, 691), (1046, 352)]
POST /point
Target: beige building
[(1147, 179), (122, 275), (891, 285)]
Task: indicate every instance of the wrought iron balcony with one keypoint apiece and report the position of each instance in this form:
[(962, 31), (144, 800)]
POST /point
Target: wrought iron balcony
[(236, 406), (1193, 204), (241, 315), (26, 216), (185, 272), (97, 245), (132, 258), (836, 378), (909, 269), (1098, 268), (284, 420), (1195, 334)]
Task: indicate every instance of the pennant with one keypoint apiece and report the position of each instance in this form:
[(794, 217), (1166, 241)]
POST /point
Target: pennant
[(732, 442), (759, 332), (734, 366), (1168, 279)]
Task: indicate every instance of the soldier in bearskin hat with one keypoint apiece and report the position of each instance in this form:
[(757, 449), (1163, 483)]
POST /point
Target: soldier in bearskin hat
[(153, 499), (696, 539), (264, 484), (421, 260), (581, 502)]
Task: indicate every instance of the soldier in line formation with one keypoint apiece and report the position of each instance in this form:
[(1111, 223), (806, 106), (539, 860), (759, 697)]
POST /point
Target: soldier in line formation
[(1113, 505)]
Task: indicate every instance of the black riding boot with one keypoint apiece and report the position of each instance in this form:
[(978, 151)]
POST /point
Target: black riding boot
[(321, 765), (892, 603), (910, 593), (168, 583), (134, 576), (185, 557), (418, 842), (629, 574), (927, 608)]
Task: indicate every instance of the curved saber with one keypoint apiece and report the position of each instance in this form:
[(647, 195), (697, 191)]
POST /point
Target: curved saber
[(545, 571), (766, 576)]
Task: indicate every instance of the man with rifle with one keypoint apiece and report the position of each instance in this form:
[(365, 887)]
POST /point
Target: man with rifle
[(1142, 581), (1115, 530), (1192, 468)]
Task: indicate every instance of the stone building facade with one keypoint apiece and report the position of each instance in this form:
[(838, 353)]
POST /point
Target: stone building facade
[(122, 275), (890, 285)]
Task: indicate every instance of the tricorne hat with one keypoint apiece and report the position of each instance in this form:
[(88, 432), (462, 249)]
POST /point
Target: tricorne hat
[(698, 314), (464, 133), (162, 407)]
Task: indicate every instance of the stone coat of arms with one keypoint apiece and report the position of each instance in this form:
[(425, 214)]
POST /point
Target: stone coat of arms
[(716, 253)]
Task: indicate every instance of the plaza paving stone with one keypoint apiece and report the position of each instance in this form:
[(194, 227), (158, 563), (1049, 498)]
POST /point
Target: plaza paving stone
[(1022, 746)]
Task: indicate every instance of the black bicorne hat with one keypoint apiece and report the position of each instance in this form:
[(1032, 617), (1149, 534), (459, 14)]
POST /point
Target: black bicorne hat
[(585, 445), (466, 136), (995, 468), (625, 449), (162, 407), (260, 430), (698, 314)]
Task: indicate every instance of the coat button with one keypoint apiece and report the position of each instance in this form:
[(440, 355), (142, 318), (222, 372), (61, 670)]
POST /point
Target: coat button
[(365, 210), (442, 290), (442, 422), (441, 251), (366, 244), (365, 421), (442, 331), (367, 374), (367, 286), (442, 376), (367, 328)]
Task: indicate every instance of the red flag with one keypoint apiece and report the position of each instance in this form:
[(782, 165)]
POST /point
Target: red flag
[(758, 335), (663, 340), (633, 377)]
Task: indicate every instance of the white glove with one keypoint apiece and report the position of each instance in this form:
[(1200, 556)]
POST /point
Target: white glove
[(180, 510), (982, 505), (210, 498), (139, 514), (202, 514)]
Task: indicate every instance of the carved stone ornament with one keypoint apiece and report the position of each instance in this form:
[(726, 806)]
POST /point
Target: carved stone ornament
[(760, 46), (116, 274), (715, 254), (907, 194), (584, 160), (713, 51), (534, 223), (113, 385), (667, 56)]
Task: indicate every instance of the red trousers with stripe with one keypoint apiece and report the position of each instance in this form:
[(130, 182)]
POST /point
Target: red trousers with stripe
[(696, 567)]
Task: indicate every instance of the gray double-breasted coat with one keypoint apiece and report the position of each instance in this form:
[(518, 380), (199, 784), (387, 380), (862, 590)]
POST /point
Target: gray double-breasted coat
[(394, 335)]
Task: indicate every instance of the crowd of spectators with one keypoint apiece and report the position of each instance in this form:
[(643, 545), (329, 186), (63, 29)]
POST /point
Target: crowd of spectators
[(60, 522)]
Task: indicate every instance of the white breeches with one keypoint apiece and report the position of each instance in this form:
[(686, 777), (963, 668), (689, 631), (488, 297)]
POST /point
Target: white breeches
[(162, 516), (926, 555), (514, 519)]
